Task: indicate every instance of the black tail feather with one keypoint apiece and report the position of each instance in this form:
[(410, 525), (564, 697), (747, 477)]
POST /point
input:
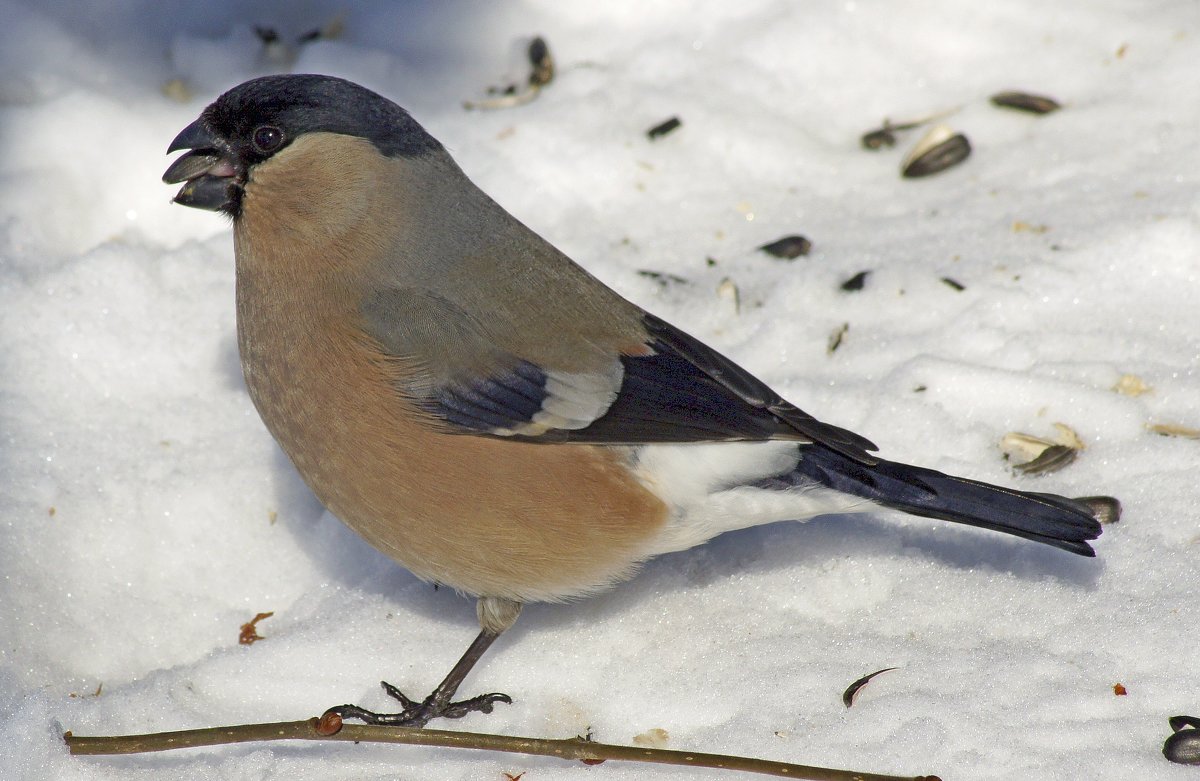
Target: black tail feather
[(1047, 518)]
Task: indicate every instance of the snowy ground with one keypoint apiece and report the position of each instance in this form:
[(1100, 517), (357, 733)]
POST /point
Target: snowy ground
[(145, 513)]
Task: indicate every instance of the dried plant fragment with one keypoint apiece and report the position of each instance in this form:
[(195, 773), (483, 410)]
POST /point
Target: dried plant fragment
[(835, 338), (1023, 448), (1131, 385), (851, 693), (661, 277), (1105, 509), (728, 289), (652, 738), (99, 688), (177, 90), (541, 73), (330, 32), (1065, 435), (1174, 430), (249, 633), (885, 135)]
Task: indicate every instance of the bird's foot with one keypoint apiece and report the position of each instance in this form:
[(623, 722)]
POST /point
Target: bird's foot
[(418, 714)]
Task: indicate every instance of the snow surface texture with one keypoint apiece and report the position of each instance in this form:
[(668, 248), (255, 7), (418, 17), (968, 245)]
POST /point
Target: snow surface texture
[(146, 513)]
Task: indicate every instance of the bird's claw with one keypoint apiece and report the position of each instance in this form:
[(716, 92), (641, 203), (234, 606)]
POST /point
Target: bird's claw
[(418, 714), (481, 704)]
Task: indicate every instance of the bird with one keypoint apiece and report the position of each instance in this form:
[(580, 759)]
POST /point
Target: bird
[(482, 409)]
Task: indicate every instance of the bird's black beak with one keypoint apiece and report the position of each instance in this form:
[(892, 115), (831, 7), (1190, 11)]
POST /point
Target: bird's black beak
[(209, 170)]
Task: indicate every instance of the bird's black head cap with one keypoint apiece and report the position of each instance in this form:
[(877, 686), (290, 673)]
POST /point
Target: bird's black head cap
[(296, 104), (255, 120)]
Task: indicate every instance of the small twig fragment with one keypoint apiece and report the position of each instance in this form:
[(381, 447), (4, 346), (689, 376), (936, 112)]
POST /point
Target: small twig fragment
[(572, 749), (1020, 226)]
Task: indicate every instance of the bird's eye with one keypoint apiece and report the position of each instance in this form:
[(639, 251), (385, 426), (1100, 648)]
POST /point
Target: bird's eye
[(267, 138)]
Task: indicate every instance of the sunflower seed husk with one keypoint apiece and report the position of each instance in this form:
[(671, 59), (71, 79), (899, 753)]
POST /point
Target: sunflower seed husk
[(1025, 101), (939, 149)]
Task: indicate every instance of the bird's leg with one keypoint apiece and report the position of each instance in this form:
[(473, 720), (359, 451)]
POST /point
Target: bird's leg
[(437, 704), (495, 616)]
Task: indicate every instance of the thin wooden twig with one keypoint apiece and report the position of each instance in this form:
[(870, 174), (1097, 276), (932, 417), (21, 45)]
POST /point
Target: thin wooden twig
[(328, 728)]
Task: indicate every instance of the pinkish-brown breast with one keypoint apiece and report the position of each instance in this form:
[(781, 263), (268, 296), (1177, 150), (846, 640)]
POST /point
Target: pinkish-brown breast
[(486, 516)]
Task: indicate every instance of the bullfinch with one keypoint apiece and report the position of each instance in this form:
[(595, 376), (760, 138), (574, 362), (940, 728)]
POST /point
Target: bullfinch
[(483, 410)]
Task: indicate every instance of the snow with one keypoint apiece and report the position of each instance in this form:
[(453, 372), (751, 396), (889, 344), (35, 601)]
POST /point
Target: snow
[(145, 513)]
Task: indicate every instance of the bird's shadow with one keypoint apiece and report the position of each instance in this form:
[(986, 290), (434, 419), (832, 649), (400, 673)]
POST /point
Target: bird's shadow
[(788, 545)]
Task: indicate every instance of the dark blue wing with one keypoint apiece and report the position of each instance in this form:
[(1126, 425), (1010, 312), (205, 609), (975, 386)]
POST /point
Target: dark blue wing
[(504, 401)]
